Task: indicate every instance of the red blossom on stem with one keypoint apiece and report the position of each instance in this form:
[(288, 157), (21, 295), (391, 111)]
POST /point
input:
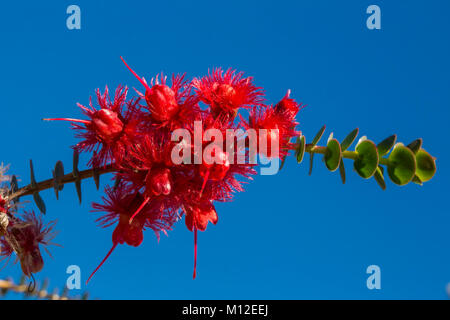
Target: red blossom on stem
[(110, 129), (136, 140), (226, 92)]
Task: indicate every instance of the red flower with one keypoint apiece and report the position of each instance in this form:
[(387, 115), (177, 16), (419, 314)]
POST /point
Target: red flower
[(197, 217), (23, 236), (159, 181), (274, 126), (155, 190), (169, 106), (288, 105), (226, 93), (120, 204), (198, 214), (110, 130)]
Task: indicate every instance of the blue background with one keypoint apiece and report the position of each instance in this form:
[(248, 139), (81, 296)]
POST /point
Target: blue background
[(289, 236)]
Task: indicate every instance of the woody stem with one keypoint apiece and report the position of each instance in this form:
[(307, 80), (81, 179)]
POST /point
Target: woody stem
[(68, 178)]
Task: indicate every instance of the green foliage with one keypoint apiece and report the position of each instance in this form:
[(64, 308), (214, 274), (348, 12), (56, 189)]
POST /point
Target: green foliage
[(404, 164), (300, 151), (333, 154), (367, 159)]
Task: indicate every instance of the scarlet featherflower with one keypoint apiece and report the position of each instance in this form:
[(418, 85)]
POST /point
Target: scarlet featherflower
[(135, 137), (119, 204), (275, 125), (172, 106), (110, 129), (226, 92)]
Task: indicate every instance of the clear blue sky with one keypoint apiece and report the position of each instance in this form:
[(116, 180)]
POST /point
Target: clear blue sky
[(289, 236)]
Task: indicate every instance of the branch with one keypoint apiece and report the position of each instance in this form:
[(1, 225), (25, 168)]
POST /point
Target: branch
[(49, 183), (40, 293), (57, 182)]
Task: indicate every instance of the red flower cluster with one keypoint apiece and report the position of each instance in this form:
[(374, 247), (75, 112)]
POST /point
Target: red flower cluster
[(135, 137)]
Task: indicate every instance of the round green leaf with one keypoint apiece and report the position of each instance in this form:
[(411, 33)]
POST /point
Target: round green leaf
[(426, 165), (333, 155), (402, 165), (367, 162)]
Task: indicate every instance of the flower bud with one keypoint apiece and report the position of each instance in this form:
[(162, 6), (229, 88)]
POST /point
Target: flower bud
[(215, 167), (107, 124), (159, 181), (161, 102), (200, 214), (288, 105)]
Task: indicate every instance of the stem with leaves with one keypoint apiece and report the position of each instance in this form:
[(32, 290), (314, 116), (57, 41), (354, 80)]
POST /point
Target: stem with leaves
[(57, 182), (404, 164)]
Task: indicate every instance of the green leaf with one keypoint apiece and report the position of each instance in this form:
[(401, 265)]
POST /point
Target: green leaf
[(367, 162), (386, 145), (349, 139), (75, 171), (311, 161), (379, 177), (333, 155), (32, 178), (55, 185), (14, 184), (402, 165), (426, 165), (300, 151), (318, 136), (78, 188), (39, 202), (342, 170), (59, 174), (14, 187), (415, 145)]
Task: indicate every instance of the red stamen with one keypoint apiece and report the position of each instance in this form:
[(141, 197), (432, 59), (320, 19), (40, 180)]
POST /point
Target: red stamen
[(139, 209), (195, 251), (103, 261), (135, 74), (205, 179), (67, 119), (85, 108)]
